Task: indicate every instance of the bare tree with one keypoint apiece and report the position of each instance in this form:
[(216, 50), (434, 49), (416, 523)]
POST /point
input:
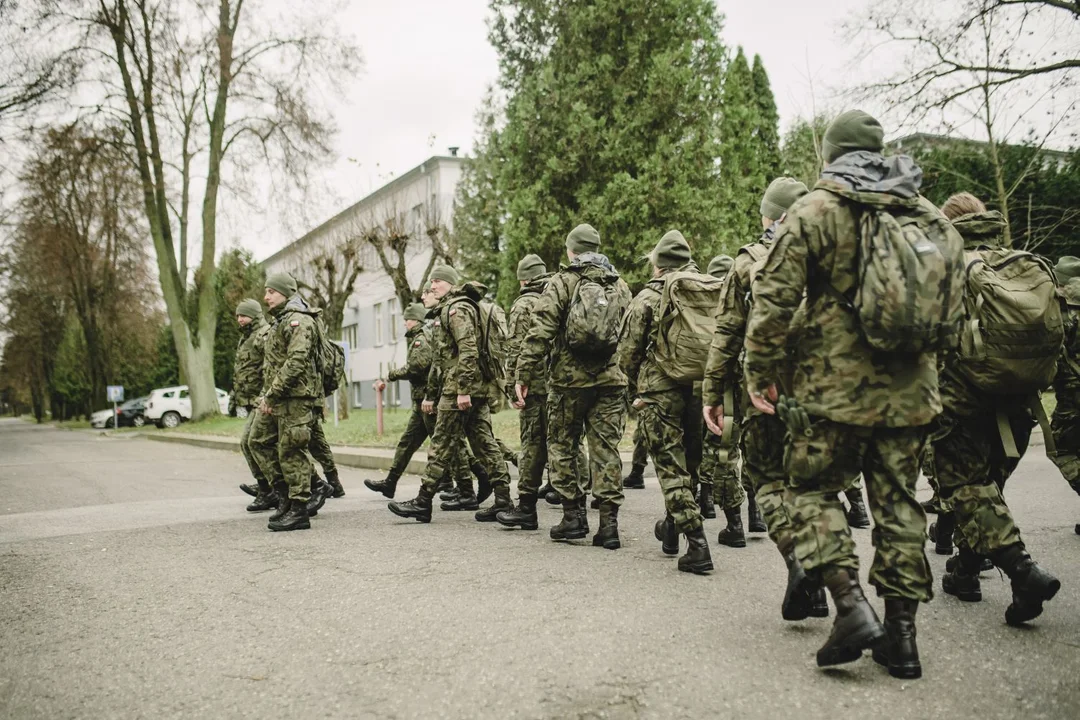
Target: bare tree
[(396, 238), (328, 276), (204, 87)]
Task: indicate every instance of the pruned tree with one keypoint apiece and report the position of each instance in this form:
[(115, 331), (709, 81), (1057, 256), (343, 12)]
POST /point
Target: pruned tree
[(208, 91), (396, 239), (328, 276)]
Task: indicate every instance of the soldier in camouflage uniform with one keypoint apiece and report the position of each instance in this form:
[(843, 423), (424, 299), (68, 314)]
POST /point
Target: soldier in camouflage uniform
[(761, 436), (322, 454), (462, 406), (635, 480), (719, 465), (247, 386), (586, 397), (1065, 424), (669, 412), (851, 408), (533, 276), (971, 463), (281, 431)]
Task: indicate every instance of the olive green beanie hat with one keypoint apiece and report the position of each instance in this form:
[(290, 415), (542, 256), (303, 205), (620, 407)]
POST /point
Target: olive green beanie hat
[(671, 252), (416, 311), (720, 266), (445, 273), (530, 268), (851, 131), (583, 239), (249, 308), (282, 282), (781, 195), (1067, 268)]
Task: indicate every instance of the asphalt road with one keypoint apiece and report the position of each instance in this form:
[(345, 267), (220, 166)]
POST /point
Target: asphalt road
[(134, 585)]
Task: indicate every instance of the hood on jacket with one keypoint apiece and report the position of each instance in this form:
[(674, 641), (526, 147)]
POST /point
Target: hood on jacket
[(537, 284), (586, 261), (872, 179), (297, 304), (984, 229)]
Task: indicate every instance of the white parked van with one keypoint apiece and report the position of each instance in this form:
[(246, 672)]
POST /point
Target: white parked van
[(168, 407)]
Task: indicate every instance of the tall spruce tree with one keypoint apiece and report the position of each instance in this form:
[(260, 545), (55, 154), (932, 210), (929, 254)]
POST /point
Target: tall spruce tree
[(612, 119), (768, 129), (743, 180), (478, 214)]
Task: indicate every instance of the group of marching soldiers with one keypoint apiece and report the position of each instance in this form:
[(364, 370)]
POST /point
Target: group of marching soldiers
[(778, 393)]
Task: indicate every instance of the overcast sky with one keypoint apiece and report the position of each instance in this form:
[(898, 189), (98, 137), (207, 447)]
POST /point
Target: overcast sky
[(428, 62)]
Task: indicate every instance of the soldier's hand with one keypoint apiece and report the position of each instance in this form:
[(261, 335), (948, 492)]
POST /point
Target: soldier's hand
[(264, 407), (464, 402), (428, 407), (793, 415), (522, 392), (764, 401), (638, 403), (714, 419)]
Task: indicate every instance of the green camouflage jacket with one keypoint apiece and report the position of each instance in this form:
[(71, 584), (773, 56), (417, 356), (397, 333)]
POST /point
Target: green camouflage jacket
[(545, 338), (519, 323), (248, 365), (836, 374), (289, 362), (455, 366), (1067, 380), (638, 337), (417, 362)]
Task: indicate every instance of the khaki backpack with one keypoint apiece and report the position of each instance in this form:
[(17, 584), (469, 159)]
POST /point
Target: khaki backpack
[(908, 293), (689, 305), (492, 330), (329, 360), (1013, 332), (594, 318)]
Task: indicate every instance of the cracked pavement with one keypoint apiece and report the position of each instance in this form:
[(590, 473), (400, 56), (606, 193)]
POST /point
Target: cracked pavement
[(133, 584)]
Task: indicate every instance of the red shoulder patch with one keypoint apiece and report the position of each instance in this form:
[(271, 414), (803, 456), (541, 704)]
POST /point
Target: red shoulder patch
[(453, 312), (416, 344), (295, 323)]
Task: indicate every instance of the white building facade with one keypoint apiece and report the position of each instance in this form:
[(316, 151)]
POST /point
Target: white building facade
[(372, 327)]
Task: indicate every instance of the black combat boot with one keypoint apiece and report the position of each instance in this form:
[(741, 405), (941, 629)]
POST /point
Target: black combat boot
[(553, 498), (524, 516), (464, 499), (962, 578), (573, 526), (282, 492), (799, 595), (583, 504), (543, 491), (419, 508), (335, 483), (899, 652), (263, 502), (295, 519), (941, 533), (856, 627), (705, 501), (733, 535), (607, 536), (697, 559), (755, 523), (856, 515), (387, 487), (451, 494), (252, 490), (932, 506), (1031, 585), (636, 479), (595, 503), (502, 503), (483, 482), (668, 535), (320, 493), (819, 603)]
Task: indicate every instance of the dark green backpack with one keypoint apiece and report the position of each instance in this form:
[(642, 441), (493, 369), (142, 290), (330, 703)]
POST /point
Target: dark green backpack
[(329, 360), (594, 318)]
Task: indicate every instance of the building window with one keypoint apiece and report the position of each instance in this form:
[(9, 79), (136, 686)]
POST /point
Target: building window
[(358, 400), (391, 305), (348, 334), (378, 324)]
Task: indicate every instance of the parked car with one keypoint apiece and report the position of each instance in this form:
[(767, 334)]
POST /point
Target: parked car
[(129, 414), (102, 418), (168, 407)]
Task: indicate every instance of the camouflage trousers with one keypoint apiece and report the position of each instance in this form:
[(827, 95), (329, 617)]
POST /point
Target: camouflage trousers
[(534, 445), (420, 427), (1065, 428), (280, 442), (762, 439), (641, 449), (318, 447), (447, 452), (249, 454), (596, 416), (971, 469), (720, 467), (820, 465), (671, 421)]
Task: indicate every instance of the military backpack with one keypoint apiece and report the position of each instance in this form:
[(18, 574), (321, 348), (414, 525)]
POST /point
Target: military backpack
[(594, 318), (329, 360), (686, 322), (1013, 330), (908, 292), (491, 342)]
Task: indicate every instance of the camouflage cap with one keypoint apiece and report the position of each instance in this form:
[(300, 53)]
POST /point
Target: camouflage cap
[(671, 252), (282, 282), (530, 268), (720, 266), (781, 195), (415, 311), (249, 308), (851, 131), (445, 273), (1067, 268)]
